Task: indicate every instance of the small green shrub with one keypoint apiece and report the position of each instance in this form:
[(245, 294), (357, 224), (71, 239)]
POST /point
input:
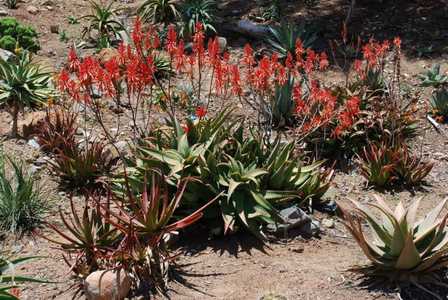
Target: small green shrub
[(23, 84), (283, 38), (251, 180), (11, 4), (198, 11), (22, 206), (384, 165), (15, 34), (159, 11), (103, 18), (82, 167)]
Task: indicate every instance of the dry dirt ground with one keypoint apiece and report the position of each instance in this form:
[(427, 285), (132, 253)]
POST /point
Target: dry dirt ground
[(238, 267)]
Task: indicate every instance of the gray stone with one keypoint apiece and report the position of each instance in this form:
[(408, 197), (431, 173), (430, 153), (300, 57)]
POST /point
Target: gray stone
[(295, 218), (3, 12), (107, 285), (222, 41), (252, 29), (6, 55), (310, 229)]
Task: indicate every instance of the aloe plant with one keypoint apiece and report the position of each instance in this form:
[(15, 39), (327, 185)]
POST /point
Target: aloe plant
[(433, 77), (377, 165), (244, 202), (156, 11), (23, 84), (439, 102), (88, 237), (198, 11), (282, 103), (283, 38), (103, 19), (402, 248)]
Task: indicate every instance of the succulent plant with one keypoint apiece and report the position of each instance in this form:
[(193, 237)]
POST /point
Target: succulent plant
[(283, 38), (156, 11), (439, 102), (23, 84), (401, 249), (433, 77)]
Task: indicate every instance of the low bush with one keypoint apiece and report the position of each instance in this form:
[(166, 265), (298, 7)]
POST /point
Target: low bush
[(57, 131), (103, 19), (83, 166), (126, 233), (385, 165), (439, 98), (15, 35), (23, 84), (198, 11), (233, 165), (376, 105), (159, 11), (22, 205)]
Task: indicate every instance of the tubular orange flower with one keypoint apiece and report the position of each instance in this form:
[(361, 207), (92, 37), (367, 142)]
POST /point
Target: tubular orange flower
[(179, 56), (198, 43), (137, 34), (236, 80), (171, 40), (213, 50), (73, 60), (299, 50), (63, 80), (397, 42), (200, 112), (248, 57)]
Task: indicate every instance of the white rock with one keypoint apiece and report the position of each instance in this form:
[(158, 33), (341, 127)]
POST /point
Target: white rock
[(107, 285), (328, 223), (3, 12), (32, 10), (33, 143), (6, 55)]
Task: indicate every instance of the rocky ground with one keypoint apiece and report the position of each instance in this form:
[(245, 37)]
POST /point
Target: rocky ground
[(238, 267)]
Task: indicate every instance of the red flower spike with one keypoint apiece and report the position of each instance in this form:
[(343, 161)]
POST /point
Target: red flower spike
[(200, 112), (73, 60), (171, 40)]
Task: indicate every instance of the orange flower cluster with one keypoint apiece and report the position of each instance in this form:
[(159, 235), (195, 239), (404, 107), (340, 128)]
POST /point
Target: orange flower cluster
[(134, 66)]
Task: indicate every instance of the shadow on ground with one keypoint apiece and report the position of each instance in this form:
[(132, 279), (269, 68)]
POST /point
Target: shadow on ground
[(421, 24)]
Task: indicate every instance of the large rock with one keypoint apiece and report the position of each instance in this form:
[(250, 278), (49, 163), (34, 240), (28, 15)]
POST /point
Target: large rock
[(6, 55), (107, 285), (252, 29)]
